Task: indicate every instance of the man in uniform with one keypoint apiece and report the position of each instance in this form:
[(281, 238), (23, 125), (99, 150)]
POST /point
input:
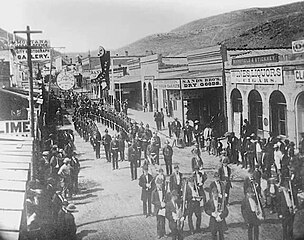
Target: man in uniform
[(168, 153), (97, 142), (225, 176), (114, 146), (175, 219), (145, 181), (217, 210), (188, 131), (106, 140), (132, 157), (193, 204), (250, 212), (176, 181), (158, 200)]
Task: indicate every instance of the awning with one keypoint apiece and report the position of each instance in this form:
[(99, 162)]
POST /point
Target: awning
[(127, 79)]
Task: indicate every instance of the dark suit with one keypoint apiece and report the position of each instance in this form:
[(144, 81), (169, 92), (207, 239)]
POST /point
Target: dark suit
[(174, 185), (287, 215), (170, 209), (67, 226), (193, 207), (227, 179), (160, 220), (132, 157), (214, 225), (146, 193), (251, 219), (168, 153)]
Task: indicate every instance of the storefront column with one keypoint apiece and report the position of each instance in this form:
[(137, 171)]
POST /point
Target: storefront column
[(266, 117), (229, 115), (291, 125), (245, 106)]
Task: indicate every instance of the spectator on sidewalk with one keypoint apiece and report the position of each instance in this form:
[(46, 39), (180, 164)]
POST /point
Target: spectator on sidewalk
[(65, 173), (114, 146), (66, 221), (176, 129), (162, 118), (157, 119), (188, 131)]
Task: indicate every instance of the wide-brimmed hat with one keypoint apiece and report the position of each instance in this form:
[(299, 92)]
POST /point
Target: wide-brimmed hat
[(196, 121), (176, 166), (66, 160), (71, 208), (45, 153)]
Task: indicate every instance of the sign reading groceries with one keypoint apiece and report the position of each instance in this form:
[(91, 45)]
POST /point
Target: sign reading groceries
[(270, 75)]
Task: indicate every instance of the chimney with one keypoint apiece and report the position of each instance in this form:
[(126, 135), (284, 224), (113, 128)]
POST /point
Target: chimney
[(116, 54), (147, 52), (127, 53)]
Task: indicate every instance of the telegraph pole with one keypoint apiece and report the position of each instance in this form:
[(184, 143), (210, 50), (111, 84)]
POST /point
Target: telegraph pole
[(29, 48)]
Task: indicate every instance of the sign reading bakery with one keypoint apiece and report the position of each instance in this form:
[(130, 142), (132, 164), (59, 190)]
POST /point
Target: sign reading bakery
[(269, 75), (204, 82)]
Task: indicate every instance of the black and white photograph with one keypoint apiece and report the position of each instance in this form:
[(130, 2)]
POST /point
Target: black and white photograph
[(151, 119)]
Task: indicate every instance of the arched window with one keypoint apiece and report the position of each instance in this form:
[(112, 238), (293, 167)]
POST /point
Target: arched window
[(255, 110)]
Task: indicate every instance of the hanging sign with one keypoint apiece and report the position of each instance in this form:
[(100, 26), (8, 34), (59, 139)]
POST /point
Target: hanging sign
[(65, 80), (299, 75)]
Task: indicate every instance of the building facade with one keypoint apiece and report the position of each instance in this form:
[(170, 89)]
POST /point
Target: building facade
[(266, 87)]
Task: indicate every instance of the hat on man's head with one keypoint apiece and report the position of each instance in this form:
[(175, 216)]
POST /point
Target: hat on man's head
[(160, 170), (175, 119), (176, 166), (196, 121), (45, 153), (252, 135), (226, 160), (55, 146), (106, 130), (145, 167), (147, 126), (216, 174), (71, 208), (66, 160)]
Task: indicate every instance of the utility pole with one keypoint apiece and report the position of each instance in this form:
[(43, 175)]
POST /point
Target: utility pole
[(29, 48)]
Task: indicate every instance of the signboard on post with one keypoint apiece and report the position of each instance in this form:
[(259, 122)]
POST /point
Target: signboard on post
[(37, 54), (65, 80), (298, 46)]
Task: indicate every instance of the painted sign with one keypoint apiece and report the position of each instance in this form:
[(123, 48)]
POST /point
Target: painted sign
[(256, 59), (17, 127), (270, 75), (36, 54), (298, 46), (65, 80), (204, 82), (167, 84), (299, 75)]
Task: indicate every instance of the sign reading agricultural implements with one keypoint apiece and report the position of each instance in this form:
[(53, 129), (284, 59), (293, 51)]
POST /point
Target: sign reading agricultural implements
[(270, 75), (65, 80), (203, 82)]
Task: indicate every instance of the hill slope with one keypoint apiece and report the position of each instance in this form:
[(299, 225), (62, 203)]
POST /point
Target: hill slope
[(238, 29)]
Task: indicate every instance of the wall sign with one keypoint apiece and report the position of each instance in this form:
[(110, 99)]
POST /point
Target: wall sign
[(204, 82), (299, 75), (256, 59), (270, 75), (167, 84), (15, 127)]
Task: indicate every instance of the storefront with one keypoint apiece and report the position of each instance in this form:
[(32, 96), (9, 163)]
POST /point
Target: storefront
[(265, 87)]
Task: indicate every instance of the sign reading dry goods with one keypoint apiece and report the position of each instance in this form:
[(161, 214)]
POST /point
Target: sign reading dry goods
[(271, 75), (194, 83), (167, 84), (299, 75), (65, 80)]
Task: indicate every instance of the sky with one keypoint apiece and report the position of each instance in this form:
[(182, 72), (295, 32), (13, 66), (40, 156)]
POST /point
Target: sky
[(82, 25)]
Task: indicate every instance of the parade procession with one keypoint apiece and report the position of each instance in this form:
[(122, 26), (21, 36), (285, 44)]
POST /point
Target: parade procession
[(195, 133)]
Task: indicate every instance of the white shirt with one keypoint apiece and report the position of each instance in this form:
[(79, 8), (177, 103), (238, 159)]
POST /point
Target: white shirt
[(218, 186), (160, 194), (252, 204), (287, 198), (277, 158), (225, 168), (258, 147), (177, 178)]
